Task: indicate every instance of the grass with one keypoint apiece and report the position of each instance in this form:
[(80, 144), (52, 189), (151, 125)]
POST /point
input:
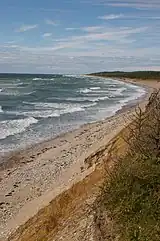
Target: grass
[(128, 208)]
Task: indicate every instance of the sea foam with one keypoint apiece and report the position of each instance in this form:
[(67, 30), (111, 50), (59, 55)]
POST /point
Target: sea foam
[(12, 127)]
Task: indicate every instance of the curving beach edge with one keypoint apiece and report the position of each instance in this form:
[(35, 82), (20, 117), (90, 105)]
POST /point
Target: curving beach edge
[(42, 187)]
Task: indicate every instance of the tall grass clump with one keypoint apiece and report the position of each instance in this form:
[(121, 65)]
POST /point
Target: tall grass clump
[(128, 207)]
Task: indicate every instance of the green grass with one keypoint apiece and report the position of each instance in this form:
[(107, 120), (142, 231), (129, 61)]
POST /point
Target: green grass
[(131, 197)]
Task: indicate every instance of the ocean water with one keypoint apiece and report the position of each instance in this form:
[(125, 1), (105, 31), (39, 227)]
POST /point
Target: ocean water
[(34, 108)]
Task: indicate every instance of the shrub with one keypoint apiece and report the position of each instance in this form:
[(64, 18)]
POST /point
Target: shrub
[(128, 207)]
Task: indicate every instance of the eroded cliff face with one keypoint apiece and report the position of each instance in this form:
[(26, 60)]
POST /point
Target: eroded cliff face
[(70, 216)]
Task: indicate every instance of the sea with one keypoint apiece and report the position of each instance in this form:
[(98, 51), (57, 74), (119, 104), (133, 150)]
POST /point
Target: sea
[(35, 108)]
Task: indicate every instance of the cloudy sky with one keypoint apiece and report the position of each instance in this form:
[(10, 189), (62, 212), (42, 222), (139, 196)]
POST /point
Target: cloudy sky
[(79, 36)]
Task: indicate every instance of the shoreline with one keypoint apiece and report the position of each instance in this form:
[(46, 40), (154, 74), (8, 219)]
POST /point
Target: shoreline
[(41, 172), (4, 158)]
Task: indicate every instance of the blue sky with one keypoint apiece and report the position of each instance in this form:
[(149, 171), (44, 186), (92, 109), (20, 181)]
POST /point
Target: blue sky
[(79, 36)]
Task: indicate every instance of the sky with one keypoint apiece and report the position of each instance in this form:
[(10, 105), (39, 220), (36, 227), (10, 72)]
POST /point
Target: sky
[(79, 36)]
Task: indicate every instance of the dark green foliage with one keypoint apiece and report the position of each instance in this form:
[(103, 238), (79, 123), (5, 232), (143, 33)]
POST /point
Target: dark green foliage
[(132, 75)]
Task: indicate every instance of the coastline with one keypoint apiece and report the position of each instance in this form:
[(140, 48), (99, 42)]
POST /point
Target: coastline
[(40, 173), (6, 159)]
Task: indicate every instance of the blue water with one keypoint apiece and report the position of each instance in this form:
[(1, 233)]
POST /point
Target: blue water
[(34, 108)]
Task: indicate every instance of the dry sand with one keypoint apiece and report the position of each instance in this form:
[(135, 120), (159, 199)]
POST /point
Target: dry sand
[(29, 180)]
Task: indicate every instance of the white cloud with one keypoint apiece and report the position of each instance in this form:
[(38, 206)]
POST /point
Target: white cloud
[(90, 41), (155, 18), (92, 28), (139, 4), (91, 48), (86, 29), (71, 29), (51, 22), (45, 59), (116, 34), (25, 28), (111, 16), (48, 61), (46, 35), (137, 16), (135, 5)]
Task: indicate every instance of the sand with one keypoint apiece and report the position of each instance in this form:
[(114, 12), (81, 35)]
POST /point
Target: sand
[(29, 180)]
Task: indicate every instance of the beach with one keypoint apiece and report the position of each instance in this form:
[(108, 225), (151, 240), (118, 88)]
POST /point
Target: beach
[(32, 178)]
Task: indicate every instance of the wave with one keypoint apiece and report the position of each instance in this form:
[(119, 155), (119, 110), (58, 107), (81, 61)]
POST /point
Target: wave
[(67, 105), (76, 76), (18, 83), (88, 90), (85, 91), (29, 93), (46, 110), (43, 79), (41, 114), (140, 93), (111, 110), (117, 92), (13, 127), (92, 89), (16, 93), (95, 88), (37, 79), (1, 109), (71, 75), (52, 113), (101, 98), (44, 105), (88, 99), (10, 85)]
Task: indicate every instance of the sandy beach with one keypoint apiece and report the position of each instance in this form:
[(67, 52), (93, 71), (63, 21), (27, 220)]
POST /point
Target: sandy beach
[(29, 180)]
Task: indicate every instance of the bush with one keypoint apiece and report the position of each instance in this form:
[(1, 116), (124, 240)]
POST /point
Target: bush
[(128, 207)]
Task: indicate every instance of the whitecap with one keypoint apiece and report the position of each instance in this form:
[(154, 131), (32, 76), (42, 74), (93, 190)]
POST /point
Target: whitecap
[(71, 110), (118, 91), (48, 105), (28, 103), (70, 75), (60, 106), (13, 127), (43, 79), (140, 92), (95, 88), (52, 113), (1, 109), (101, 98), (89, 105), (46, 110), (110, 110), (16, 93), (11, 85), (85, 90), (28, 93), (88, 99), (41, 114), (37, 79)]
